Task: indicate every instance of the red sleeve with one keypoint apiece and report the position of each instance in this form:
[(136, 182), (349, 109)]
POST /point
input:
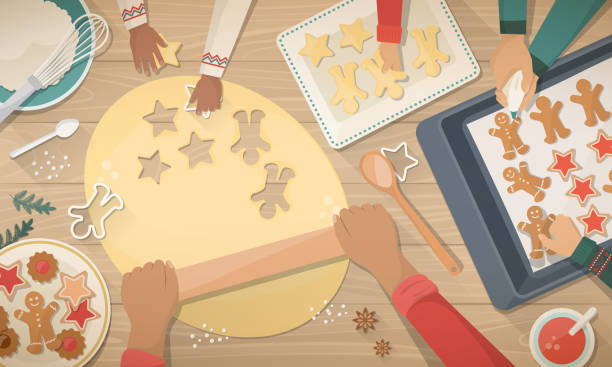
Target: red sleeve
[(138, 358), (389, 27), (450, 335)]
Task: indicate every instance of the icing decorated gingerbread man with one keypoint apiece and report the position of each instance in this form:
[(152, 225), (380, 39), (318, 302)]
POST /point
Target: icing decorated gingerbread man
[(38, 319), (522, 180), (508, 134), (549, 117), (589, 100), (537, 225), (608, 188)]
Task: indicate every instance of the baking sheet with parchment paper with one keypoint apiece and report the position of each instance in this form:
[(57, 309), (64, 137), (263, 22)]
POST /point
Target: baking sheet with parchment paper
[(318, 85), (539, 158)]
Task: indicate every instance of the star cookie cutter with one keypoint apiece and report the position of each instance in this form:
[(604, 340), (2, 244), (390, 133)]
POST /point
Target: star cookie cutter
[(189, 89), (91, 228), (414, 161)]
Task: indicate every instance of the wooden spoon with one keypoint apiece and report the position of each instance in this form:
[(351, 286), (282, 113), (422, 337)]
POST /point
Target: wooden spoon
[(378, 171)]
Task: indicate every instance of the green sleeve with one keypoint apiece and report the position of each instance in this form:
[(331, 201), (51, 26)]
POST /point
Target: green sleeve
[(564, 21), (595, 258), (512, 16)]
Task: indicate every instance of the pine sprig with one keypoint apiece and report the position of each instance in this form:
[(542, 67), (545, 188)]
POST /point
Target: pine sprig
[(28, 204), (18, 233)]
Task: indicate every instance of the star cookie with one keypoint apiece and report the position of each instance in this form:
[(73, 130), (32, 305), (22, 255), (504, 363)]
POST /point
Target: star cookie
[(198, 150), (74, 289), (42, 267), (564, 163), (80, 315), (169, 53), (316, 48), (354, 35), (161, 118), (594, 222), (11, 279), (602, 146), (582, 189), (152, 167)]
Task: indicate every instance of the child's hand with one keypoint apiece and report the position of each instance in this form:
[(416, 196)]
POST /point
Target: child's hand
[(391, 57), (150, 298), (565, 236), (369, 237), (208, 94), (510, 56), (143, 42)]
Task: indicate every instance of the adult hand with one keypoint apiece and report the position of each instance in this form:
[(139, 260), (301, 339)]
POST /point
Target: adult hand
[(565, 236), (511, 56), (390, 55), (143, 42), (207, 93), (150, 298), (369, 237)]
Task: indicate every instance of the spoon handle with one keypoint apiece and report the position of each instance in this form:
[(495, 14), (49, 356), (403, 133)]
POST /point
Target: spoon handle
[(588, 316), (17, 152), (443, 255)]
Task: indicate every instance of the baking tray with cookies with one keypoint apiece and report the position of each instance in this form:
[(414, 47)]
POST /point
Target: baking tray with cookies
[(504, 180)]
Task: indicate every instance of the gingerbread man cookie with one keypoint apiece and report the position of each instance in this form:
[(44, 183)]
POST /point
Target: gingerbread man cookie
[(347, 89), (537, 225), (608, 188), (522, 180), (38, 319), (508, 134), (589, 100), (549, 117)]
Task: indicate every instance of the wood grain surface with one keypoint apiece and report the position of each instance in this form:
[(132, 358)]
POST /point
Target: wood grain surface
[(257, 64)]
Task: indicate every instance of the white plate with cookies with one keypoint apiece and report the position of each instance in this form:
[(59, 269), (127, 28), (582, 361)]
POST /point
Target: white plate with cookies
[(333, 57), (55, 307)]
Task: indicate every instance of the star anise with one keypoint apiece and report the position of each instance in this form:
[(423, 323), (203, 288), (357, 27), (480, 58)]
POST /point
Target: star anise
[(365, 320), (382, 347)]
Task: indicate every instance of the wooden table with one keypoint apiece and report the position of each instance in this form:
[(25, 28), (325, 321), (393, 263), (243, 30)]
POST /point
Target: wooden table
[(257, 64)]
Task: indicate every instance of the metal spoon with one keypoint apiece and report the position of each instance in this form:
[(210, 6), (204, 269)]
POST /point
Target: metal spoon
[(378, 171), (63, 129)]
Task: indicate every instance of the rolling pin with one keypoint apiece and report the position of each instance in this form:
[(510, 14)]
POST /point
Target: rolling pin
[(258, 262)]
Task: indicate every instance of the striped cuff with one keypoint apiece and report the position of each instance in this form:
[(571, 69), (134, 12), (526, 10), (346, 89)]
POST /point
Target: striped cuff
[(135, 16), (585, 251), (513, 27), (389, 33), (213, 64)]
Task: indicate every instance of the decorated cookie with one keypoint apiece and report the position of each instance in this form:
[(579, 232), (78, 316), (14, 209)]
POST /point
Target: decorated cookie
[(11, 279), (582, 189), (594, 222), (316, 48), (38, 318), (537, 225), (608, 188), (549, 117), (80, 315), (42, 267), (72, 344), (602, 146), (589, 100), (3, 318), (564, 163), (9, 341), (522, 180), (507, 132), (74, 289)]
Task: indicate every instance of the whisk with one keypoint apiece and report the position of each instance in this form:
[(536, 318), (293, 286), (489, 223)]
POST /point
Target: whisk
[(89, 33)]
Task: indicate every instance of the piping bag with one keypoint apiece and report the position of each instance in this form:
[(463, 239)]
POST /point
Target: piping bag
[(260, 263)]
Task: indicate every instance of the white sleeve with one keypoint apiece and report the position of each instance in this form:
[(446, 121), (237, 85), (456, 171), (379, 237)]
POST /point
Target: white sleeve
[(133, 12), (226, 22)]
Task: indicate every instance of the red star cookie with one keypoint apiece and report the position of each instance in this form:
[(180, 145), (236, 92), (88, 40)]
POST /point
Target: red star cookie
[(564, 163), (582, 189), (74, 289), (602, 146), (10, 279), (81, 315), (594, 221)]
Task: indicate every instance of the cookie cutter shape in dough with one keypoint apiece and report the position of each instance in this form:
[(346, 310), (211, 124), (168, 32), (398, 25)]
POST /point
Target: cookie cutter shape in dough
[(107, 196), (413, 161)]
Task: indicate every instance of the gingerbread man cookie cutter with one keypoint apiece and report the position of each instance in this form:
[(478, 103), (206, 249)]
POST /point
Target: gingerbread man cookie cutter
[(414, 161), (99, 188)]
